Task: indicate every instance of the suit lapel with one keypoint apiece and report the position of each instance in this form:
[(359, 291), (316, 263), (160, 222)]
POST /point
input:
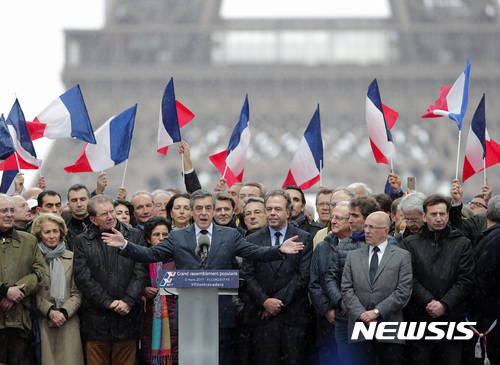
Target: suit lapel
[(215, 243), (191, 242), (363, 257), (388, 253)]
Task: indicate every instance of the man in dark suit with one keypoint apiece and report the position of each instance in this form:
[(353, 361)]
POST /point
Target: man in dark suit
[(226, 244), (376, 285), (279, 310)]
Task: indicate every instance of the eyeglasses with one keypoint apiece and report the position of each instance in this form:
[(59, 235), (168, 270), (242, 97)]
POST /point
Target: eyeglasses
[(7, 210), (105, 214), (477, 205), (337, 218), (370, 227), (411, 220), (323, 205)]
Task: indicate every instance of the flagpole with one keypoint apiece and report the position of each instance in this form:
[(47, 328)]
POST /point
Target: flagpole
[(484, 169), (392, 166), (183, 172), (224, 174), (125, 172), (458, 152), (39, 167), (17, 160)]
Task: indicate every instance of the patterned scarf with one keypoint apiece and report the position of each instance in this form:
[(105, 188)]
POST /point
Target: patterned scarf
[(161, 348)]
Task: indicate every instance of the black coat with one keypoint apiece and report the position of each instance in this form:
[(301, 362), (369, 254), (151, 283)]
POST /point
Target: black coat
[(102, 275), (443, 268)]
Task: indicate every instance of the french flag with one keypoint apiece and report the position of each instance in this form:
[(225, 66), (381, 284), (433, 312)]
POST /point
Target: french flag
[(307, 163), (25, 155), (378, 127), (113, 144), (480, 150), (65, 117), (7, 185), (7, 148), (173, 116), (231, 162), (452, 101)]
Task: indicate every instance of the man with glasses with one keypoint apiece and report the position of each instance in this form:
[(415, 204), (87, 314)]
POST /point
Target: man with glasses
[(22, 272), (359, 208), (323, 205), (413, 214), (376, 285), (320, 263), (443, 269), (255, 214), (112, 287)]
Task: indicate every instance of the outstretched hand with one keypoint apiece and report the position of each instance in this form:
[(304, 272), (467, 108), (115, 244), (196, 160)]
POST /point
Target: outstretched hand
[(457, 192), (291, 247), (114, 239)]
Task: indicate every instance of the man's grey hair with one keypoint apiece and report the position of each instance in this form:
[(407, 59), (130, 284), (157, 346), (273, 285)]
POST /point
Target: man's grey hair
[(413, 201), (252, 199), (494, 209), (141, 192), (2, 195), (200, 194), (360, 185), (97, 199), (284, 194), (158, 192)]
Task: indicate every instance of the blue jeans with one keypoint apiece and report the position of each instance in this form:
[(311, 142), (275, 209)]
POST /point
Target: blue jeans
[(343, 347)]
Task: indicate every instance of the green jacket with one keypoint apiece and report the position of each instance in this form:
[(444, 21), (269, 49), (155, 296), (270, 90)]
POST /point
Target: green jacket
[(20, 257)]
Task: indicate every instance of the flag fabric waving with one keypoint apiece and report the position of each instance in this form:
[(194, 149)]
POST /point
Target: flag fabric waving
[(173, 116), (7, 185), (452, 101), (378, 129), (65, 117), (25, 155), (231, 162), (113, 144), (307, 163), (480, 150), (7, 148)]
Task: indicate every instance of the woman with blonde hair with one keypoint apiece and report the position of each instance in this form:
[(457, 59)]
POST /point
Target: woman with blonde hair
[(59, 298)]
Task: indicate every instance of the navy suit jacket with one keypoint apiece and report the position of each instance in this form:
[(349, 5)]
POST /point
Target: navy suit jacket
[(286, 280), (225, 245)]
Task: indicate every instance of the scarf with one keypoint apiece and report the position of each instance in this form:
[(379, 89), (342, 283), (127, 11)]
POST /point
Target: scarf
[(358, 236), (57, 277), (161, 348)]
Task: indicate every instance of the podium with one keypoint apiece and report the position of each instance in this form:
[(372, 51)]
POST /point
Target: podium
[(198, 310)]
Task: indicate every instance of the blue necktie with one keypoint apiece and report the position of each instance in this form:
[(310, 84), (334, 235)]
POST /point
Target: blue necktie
[(374, 264)]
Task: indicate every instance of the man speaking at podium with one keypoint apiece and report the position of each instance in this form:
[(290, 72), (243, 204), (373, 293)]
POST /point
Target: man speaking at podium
[(225, 244)]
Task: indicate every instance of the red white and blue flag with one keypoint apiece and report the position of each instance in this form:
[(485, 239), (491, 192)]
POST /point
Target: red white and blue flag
[(113, 144), (25, 155), (65, 117), (173, 116), (231, 162), (306, 166), (379, 120), (7, 148), (480, 150), (452, 101), (7, 185)]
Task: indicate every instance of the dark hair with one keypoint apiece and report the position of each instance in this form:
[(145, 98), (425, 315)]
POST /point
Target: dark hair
[(367, 205), (170, 203), (436, 199), (296, 188), (130, 207), (225, 196), (154, 222), (77, 187), (384, 201), (46, 192), (284, 194)]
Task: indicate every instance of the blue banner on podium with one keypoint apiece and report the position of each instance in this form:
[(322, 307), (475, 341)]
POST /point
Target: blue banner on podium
[(199, 279)]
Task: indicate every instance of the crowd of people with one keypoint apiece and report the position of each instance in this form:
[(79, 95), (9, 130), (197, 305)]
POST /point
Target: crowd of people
[(83, 278)]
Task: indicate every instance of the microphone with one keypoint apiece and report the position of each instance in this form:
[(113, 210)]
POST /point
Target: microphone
[(202, 249)]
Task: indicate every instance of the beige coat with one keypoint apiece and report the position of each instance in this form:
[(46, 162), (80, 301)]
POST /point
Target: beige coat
[(61, 345)]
